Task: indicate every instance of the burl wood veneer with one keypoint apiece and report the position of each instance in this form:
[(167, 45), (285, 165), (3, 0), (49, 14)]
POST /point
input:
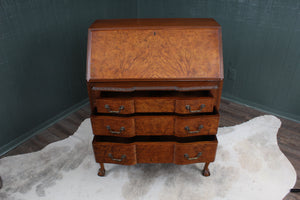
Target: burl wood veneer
[(154, 87)]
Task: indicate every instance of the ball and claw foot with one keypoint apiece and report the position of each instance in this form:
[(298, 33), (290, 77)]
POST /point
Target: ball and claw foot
[(101, 171), (205, 171)]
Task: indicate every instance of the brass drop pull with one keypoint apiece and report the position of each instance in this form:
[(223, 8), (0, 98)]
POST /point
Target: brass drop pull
[(188, 107), (187, 128), (193, 158), (116, 159), (111, 111), (115, 132)]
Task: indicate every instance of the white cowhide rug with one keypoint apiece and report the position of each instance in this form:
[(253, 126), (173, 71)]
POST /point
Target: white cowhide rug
[(248, 165)]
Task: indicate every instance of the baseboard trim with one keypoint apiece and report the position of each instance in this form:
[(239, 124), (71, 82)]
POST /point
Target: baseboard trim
[(262, 108), (13, 144)]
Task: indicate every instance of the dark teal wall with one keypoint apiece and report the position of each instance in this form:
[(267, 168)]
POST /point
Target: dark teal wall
[(43, 50), (42, 59), (261, 47)]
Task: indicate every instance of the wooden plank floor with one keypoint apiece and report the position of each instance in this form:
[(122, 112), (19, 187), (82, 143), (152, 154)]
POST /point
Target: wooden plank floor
[(231, 114)]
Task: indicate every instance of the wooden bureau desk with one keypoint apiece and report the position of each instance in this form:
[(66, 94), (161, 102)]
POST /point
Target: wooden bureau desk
[(154, 87)]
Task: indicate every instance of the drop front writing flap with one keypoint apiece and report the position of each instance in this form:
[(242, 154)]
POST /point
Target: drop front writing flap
[(154, 49)]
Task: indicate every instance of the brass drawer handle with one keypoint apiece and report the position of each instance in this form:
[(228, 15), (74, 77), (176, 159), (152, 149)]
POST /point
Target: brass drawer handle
[(115, 132), (188, 107), (187, 128), (194, 158), (111, 111), (116, 159)]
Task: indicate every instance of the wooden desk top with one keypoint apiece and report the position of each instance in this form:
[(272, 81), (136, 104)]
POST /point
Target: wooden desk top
[(113, 24)]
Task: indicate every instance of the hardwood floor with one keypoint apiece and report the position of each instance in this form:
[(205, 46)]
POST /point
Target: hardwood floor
[(231, 114)]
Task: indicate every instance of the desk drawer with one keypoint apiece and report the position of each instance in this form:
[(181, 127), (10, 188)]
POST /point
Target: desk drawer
[(136, 151), (155, 102), (181, 126)]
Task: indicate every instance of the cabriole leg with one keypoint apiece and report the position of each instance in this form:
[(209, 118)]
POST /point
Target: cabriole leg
[(205, 171), (101, 171)]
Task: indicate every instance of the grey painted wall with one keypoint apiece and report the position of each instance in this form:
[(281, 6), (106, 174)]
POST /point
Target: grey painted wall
[(42, 59), (43, 50)]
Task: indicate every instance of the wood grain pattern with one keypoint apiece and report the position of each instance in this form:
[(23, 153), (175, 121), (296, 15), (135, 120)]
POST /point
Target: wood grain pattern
[(155, 101), (100, 123), (95, 88), (102, 151), (152, 105), (155, 152), (114, 105), (195, 105), (155, 125), (210, 125), (155, 54), (206, 148), (155, 104)]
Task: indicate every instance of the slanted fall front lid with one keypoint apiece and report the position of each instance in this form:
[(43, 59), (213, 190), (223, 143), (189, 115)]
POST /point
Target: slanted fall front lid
[(154, 49)]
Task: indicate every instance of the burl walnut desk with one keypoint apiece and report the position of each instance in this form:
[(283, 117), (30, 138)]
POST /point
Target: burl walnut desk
[(154, 87)]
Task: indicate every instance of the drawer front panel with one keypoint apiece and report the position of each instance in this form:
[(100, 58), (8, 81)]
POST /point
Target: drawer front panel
[(107, 152), (116, 106), (198, 125), (113, 126), (181, 126), (187, 153), (144, 105), (155, 102), (154, 125), (197, 105), (155, 152)]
